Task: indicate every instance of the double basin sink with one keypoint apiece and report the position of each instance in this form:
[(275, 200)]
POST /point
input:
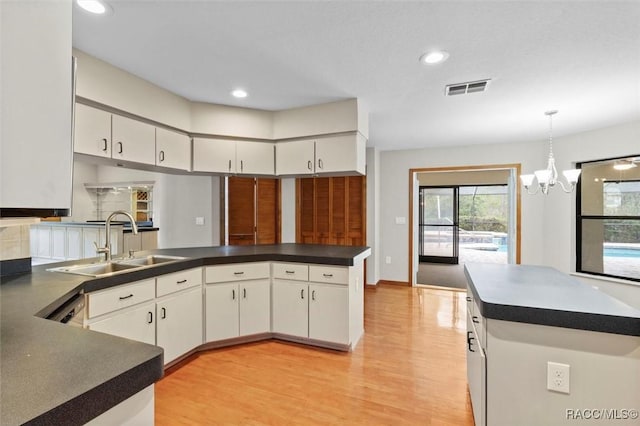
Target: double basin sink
[(105, 269)]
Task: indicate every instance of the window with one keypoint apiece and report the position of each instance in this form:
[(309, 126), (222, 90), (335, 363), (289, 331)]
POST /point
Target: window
[(608, 218)]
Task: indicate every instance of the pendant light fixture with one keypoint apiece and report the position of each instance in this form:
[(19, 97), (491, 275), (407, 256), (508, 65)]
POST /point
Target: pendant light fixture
[(548, 178)]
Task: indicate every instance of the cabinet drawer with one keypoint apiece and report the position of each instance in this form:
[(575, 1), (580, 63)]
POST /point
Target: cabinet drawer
[(101, 302), (237, 272), (291, 271), (329, 274), (170, 283)]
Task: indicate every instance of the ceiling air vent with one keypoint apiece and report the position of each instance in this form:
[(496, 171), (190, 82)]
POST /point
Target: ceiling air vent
[(468, 87)]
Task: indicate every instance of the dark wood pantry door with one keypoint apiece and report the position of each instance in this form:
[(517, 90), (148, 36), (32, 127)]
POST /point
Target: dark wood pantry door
[(331, 210), (253, 211)]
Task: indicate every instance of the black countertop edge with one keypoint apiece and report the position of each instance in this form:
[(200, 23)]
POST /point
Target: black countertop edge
[(102, 398), (128, 230), (566, 319), (588, 321)]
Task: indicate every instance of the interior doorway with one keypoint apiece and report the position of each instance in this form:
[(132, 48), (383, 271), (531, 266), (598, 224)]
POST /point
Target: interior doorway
[(462, 215)]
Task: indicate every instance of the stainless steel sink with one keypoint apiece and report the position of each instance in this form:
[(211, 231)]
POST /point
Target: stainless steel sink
[(150, 260), (116, 267)]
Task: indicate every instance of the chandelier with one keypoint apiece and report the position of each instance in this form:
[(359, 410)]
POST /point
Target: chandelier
[(548, 178)]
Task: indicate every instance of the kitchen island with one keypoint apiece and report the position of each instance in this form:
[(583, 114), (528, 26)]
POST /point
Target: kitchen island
[(544, 348), (53, 373)]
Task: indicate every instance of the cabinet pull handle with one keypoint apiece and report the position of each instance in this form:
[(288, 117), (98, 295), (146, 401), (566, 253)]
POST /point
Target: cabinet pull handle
[(120, 148), (241, 166), (327, 275), (320, 166), (150, 317), (309, 165), (469, 340), (125, 297), (233, 294), (229, 166), (181, 282), (104, 147), (468, 299), (302, 294), (290, 272), (238, 273), (161, 156), (313, 295), (474, 319), (164, 313), (244, 293)]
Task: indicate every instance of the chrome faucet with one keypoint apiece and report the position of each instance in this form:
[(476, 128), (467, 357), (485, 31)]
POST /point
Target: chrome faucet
[(107, 247)]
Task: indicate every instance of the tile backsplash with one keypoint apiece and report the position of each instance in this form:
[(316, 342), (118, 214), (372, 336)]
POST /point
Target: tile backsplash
[(14, 242)]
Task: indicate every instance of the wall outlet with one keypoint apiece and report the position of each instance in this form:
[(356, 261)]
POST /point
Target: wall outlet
[(558, 377), (400, 220), (387, 260), (200, 220)]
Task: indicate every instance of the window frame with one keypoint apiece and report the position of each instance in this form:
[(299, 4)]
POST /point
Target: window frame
[(580, 218)]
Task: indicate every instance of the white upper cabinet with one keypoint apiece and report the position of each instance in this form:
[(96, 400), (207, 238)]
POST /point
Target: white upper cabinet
[(132, 140), (254, 158), (233, 157), (173, 150), (92, 131), (295, 157), (36, 106), (335, 155)]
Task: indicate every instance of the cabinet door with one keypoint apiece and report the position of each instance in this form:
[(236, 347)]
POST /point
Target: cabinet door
[(180, 323), (44, 241), (173, 149), (136, 324), (74, 243), (341, 154), (58, 242), (255, 307), (255, 158), (222, 316), (214, 155), (290, 310), (92, 131), (133, 140), (89, 237), (476, 373), (329, 313), (295, 157)]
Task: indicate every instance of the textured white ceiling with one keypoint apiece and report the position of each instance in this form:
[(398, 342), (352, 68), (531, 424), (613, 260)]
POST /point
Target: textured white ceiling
[(582, 58)]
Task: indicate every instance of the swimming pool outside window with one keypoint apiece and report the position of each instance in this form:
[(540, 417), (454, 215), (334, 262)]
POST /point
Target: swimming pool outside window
[(608, 219)]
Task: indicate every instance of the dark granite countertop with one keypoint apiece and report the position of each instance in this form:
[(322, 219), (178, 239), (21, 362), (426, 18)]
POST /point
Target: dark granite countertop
[(543, 295), (53, 373)]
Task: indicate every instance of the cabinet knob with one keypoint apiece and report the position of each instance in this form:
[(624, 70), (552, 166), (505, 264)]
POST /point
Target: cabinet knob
[(468, 299), (470, 340), (320, 165), (104, 144), (149, 317), (233, 294), (244, 293), (126, 297), (181, 282), (475, 319), (161, 156), (164, 313), (313, 295), (120, 148), (302, 294), (309, 165)]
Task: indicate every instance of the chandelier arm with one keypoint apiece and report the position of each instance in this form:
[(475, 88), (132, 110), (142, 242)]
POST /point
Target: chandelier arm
[(528, 189), (564, 188)]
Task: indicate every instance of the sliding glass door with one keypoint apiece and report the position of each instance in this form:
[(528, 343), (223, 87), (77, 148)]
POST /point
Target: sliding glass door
[(464, 223), (438, 224)]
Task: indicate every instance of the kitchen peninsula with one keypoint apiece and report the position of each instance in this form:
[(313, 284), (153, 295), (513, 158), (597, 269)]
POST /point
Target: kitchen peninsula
[(534, 336), (54, 373)]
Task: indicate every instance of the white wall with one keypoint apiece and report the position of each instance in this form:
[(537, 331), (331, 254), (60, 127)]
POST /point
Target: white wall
[(547, 222), (288, 209), (373, 213), (83, 203)]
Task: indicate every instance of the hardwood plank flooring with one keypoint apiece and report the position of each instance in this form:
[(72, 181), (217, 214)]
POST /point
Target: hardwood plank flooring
[(408, 369)]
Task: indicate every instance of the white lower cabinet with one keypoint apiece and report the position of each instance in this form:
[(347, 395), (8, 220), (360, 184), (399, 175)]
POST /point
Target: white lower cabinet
[(179, 327), (165, 311), (476, 371), (328, 311), (235, 309), (135, 324)]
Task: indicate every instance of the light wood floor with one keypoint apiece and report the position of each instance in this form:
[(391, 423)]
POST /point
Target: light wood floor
[(408, 369)]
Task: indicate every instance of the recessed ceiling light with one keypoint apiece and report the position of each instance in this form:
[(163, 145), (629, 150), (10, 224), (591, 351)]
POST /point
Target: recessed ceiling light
[(93, 6), (624, 165), (239, 93), (434, 57)]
